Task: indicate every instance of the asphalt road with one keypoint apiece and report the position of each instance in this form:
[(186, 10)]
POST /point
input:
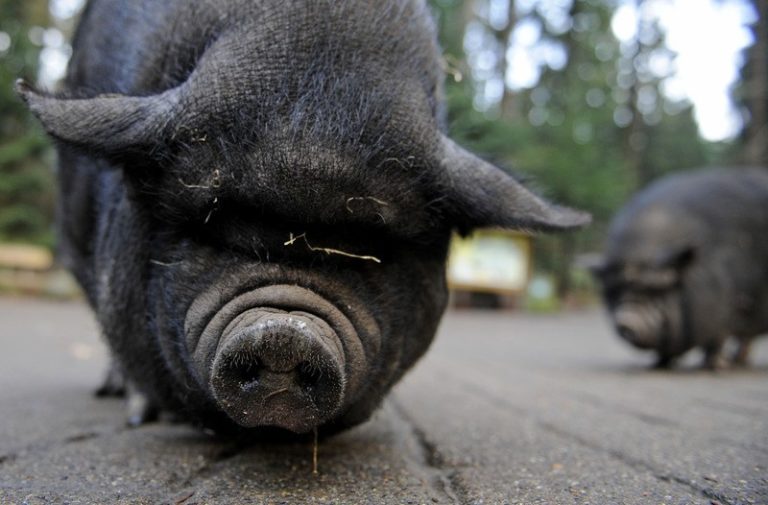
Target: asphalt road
[(506, 408)]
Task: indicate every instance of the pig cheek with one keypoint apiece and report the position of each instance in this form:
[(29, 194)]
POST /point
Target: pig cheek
[(172, 292), (422, 299), (174, 355), (408, 311)]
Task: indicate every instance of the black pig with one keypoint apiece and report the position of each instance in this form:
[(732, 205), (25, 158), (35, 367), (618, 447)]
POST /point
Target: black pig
[(686, 264), (257, 198)]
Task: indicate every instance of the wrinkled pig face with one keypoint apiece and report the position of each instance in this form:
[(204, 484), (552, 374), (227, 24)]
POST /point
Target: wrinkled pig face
[(645, 303), (294, 273), (299, 293)]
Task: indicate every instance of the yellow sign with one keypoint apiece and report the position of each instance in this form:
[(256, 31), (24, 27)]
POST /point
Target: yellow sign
[(495, 261), (25, 257)]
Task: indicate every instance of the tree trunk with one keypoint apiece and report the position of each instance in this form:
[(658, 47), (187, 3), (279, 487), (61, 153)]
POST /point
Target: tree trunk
[(756, 137), (635, 136), (510, 109)]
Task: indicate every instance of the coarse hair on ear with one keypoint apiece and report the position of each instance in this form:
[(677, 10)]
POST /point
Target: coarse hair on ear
[(117, 123), (482, 195), (110, 123)]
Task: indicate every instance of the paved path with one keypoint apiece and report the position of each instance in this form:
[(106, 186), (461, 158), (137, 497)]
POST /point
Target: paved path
[(506, 408)]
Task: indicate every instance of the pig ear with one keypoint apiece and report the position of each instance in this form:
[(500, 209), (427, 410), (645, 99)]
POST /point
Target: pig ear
[(105, 123), (485, 196)]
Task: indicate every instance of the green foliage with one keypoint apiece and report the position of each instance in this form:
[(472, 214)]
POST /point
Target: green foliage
[(563, 134), (26, 190), (26, 180), (752, 93)]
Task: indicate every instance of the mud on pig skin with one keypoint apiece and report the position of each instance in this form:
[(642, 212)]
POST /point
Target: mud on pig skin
[(257, 198), (686, 265)]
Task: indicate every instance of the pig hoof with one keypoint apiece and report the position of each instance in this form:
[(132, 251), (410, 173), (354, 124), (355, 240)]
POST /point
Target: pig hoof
[(140, 409), (715, 363), (114, 383), (740, 358), (739, 362), (663, 363), (718, 366)]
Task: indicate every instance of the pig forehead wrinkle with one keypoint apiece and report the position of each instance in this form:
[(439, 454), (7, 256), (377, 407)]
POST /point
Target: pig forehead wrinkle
[(332, 177), (304, 181)]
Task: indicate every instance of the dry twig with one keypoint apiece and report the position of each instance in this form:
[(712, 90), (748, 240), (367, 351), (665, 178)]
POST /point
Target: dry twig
[(327, 250)]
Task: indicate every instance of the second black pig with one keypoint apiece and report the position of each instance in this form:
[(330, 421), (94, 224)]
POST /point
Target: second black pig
[(686, 264)]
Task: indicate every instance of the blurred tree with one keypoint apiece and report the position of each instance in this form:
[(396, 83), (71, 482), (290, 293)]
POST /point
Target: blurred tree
[(754, 91), (577, 148), (26, 181), (592, 127), (658, 136)]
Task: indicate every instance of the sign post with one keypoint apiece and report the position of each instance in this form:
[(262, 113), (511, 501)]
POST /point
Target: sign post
[(490, 261)]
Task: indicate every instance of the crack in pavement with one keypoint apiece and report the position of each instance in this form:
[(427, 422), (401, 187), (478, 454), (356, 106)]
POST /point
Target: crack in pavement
[(591, 399), (445, 481), (183, 488), (81, 437), (633, 462), (42, 447), (616, 407), (209, 465), (705, 492), (742, 445), (8, 458), (624, 458), (749, 412)]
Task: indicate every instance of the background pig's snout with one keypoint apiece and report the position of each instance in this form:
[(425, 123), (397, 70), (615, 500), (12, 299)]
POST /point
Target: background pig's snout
[(275, 368), (637, 326), (626, 332)]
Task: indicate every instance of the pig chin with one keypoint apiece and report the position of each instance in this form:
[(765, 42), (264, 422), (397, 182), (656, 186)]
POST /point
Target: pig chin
[(277, 355)]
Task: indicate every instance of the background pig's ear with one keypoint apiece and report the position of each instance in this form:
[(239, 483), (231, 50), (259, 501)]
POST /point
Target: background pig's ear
[(483, 195), (105, 123)]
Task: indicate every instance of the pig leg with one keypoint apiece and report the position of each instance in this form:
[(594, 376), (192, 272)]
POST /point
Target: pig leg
[(663, 362), (713, 357), (741, 357), (114, 381), (140, 408)]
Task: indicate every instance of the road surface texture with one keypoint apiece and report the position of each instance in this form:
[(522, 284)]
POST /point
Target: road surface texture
[(506, 408)]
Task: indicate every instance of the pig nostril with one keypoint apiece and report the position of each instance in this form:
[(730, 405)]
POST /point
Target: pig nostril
[(246, 374), (627, 333), (308, 376)]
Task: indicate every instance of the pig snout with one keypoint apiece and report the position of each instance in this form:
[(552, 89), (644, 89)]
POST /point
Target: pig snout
[(278, 355), (637, 326), (279, 368)]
